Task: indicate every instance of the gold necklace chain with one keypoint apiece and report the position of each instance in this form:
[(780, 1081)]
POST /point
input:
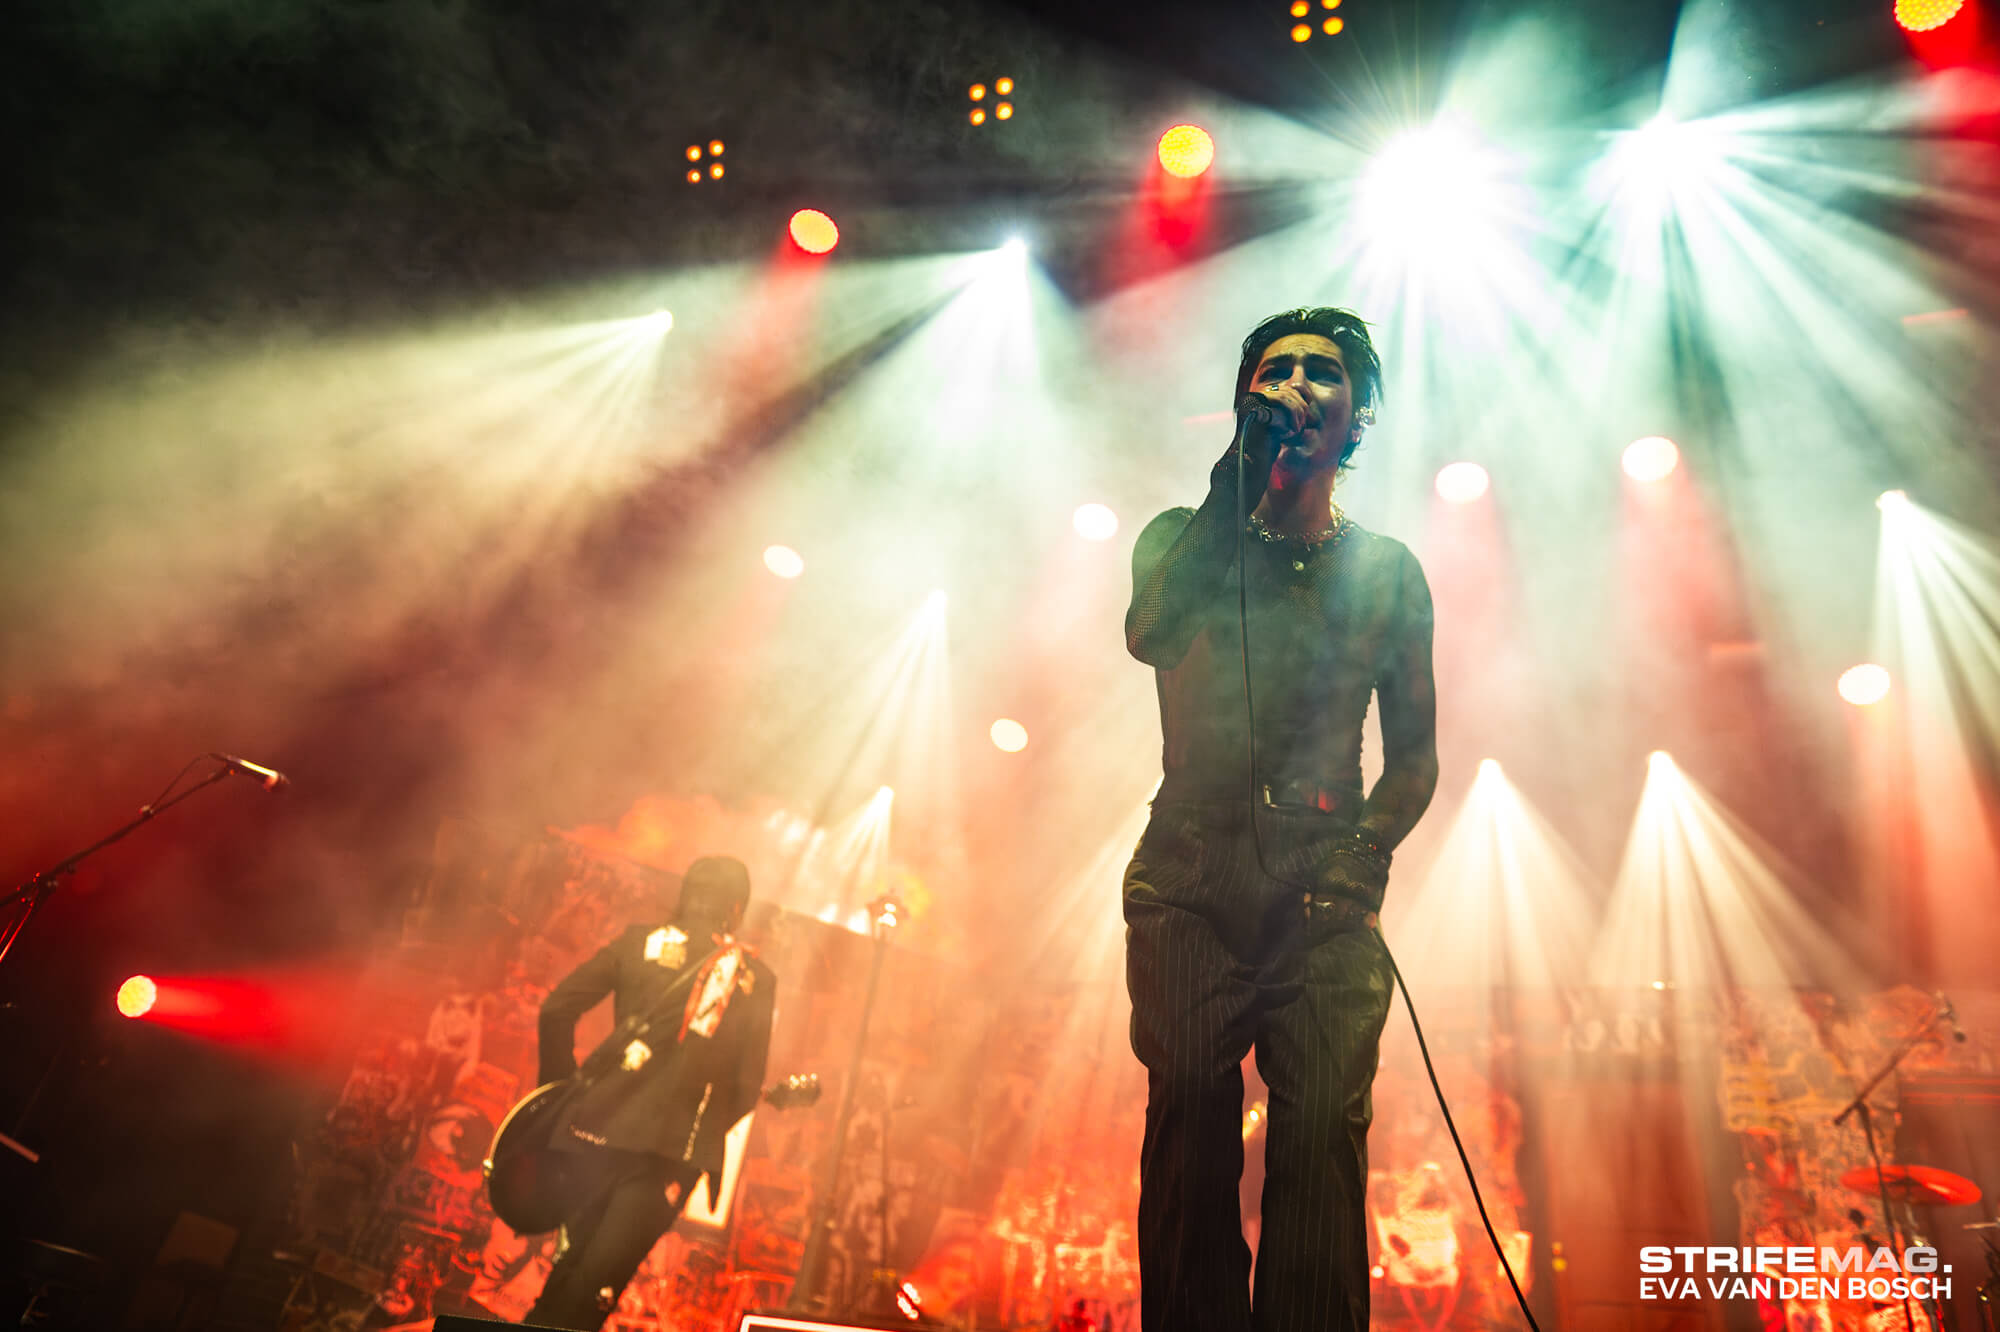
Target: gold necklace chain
[(1265, 533)]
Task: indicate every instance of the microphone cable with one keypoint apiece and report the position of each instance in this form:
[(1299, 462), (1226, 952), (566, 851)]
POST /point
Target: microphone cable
[(1257, 841)]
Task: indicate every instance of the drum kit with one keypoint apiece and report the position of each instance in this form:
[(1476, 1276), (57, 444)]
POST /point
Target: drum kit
[(1904, 1189)]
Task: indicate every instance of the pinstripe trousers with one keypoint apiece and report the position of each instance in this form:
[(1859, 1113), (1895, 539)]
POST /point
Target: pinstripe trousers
[(1221, 959)]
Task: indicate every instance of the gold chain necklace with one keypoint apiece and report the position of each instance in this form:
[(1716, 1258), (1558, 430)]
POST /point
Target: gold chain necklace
[(1263, 531)]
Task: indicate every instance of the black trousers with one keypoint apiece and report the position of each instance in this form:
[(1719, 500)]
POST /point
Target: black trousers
[(605, 1243), (1221, 959)]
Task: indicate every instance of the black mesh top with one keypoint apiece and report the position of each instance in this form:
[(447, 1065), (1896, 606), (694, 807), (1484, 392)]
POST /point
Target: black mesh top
[(1330, 622)]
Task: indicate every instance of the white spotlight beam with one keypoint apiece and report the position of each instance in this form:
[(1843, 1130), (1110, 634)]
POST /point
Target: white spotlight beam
[(1503, 902), (1697, 903)]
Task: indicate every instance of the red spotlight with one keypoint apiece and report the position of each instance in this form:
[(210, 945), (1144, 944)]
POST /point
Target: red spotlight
[(1186, 151), (1926, 15), (813, 231), (137, 996)]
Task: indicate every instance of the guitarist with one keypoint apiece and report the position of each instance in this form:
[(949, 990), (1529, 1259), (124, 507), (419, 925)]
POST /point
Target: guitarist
[(651, 1129)]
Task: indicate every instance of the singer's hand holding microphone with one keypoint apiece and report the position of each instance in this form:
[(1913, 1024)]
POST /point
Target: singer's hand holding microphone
[(1266, 419)]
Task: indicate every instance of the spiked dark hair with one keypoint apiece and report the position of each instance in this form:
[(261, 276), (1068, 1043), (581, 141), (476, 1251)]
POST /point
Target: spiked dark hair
[(1345, 330)]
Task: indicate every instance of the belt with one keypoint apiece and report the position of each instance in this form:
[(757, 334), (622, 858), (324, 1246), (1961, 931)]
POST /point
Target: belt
[(1305, 794), (1180, 787)]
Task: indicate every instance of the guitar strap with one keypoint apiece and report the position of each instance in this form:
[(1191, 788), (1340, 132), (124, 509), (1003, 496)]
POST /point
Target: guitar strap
[(710, 998)]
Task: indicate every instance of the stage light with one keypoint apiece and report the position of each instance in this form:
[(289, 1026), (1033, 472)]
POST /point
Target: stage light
[(1669, 149), (1009, 735), (813, 231), (1864, 684), (715, 171), (909, 1301), (784, 561), (1924, 15), (1014, 249), (1186, 151), (1651, 459), (1489, 769), (1300, 8), (1333, 26), (694, 152), (715, 147), (1427, 186), (137, 996), (1659, 763), (934, 605), (1891, 501), (694, 176), (663, 321), (1301, 32), (1094, 522), (1462, 482), (1002, 87)]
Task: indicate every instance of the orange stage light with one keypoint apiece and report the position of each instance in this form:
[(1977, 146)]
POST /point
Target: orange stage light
[(1003, 86), (1301, 32), (977, 92), (1004, 111), (137, 996), (694, 176), (694, 152), (715, 147), (978, 116), (716, 171), (1926, 15), (1332, 26), (1186, 151), (1300, 8), (813, 231)]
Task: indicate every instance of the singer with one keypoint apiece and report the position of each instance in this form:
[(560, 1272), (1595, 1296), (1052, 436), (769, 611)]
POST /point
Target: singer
[(1252, 918)]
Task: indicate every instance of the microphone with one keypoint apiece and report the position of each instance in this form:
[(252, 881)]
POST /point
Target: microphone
[(273, 779), (1255, 407), (1949, 1014)]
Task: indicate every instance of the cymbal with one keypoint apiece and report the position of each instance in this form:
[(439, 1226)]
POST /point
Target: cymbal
[(1922, 1186)]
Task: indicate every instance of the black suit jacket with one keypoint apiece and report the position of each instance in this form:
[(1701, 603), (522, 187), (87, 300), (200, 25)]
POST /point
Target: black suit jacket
[(683, 1101)]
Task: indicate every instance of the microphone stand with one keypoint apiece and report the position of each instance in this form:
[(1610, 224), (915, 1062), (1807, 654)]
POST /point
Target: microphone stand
[(806, 1296), (1859, 1105), (30, 895)]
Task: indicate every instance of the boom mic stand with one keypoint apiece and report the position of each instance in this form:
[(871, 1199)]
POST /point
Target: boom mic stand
[(884, 914), (29, 896), (1859, 1105)]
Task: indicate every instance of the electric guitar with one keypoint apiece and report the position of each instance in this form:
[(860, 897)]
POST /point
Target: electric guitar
[(534, 1186)]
